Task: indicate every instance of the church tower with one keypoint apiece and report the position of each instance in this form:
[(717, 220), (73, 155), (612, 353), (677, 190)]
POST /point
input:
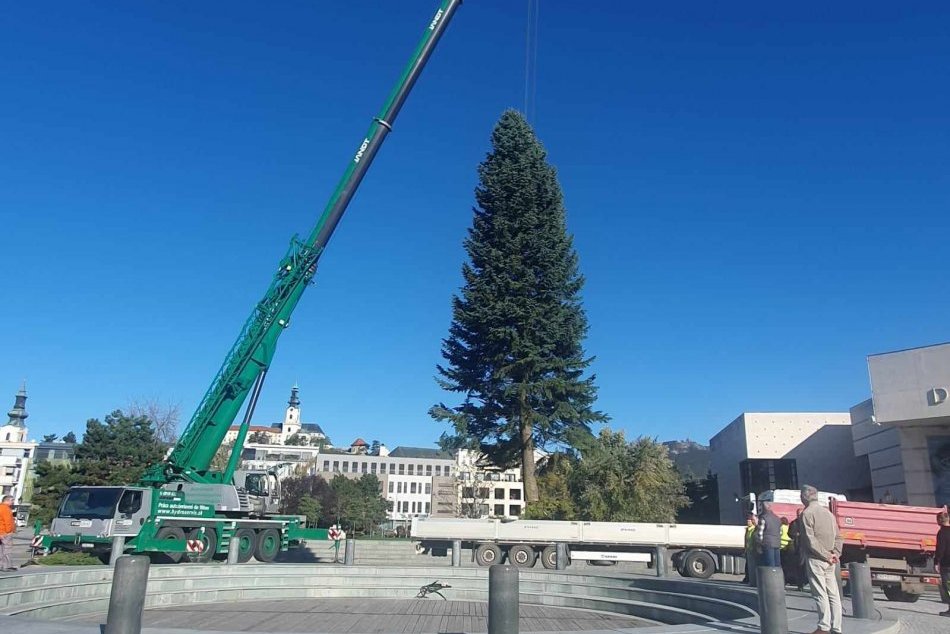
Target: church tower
[(15, 429), (292, 416)]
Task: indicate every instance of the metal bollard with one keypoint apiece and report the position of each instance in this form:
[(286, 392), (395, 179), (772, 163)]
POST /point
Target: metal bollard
[(661, 561), (127, 599), (862, 593), (349, 555), (773, 613), (503, 599), (563, 556), (456, 553), (118, 549), (234, 550)]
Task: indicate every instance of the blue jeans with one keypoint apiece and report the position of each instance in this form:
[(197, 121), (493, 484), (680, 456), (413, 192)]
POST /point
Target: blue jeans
[(771, 557)]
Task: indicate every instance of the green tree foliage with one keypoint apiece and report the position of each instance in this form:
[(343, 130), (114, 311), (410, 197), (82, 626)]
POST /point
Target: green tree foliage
[(297, 440), (610, 480), (620, 481), (116, 451), (703, 494), (310, 507), (555, 482), (296, 489), (359, 505), (260, 437), (52, 481), (514, 346), (70, 437)]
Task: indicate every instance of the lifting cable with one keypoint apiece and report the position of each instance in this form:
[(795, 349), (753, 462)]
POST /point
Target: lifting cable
[(531, 58)]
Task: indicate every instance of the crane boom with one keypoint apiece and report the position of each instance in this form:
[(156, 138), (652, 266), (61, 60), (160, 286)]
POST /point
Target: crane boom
[(252, 352)]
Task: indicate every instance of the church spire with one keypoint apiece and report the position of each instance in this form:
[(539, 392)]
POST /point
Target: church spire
[(294, 396), (18, 414)]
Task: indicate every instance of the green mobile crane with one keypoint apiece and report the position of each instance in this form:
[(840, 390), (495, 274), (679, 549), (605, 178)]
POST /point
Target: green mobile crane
[(182, 504)]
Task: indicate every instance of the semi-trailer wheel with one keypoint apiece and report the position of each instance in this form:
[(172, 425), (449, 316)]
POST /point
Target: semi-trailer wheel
[(247, 542), (894, 593), (549, 557), (210, 540), (168, 533), (487, 554), (522, 556), (268, 545), (699, 564)]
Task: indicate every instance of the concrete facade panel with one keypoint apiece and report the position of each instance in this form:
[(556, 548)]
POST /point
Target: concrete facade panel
[(911, 384)]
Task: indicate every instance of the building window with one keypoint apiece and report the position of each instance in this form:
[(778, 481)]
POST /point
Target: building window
[(399, 487), (326, 465), (392, 467), (410, 470), (765, 475), (428, 470), (448, 471), (390, 486), (373, 468), (509, 477), (412, 487), (499, 509), (515, 509), (427, 508), (405, 507), (428, 488), (419, 469), (514, 494), (402, 469), (438, 470), (362, 467), (346, 466), (468, 492), (499, 494), (483, 493), (336, 466)]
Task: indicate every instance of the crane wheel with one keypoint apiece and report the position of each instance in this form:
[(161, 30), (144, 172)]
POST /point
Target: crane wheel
[(247, 542), (268, 545), (210, 540), (170, 533)]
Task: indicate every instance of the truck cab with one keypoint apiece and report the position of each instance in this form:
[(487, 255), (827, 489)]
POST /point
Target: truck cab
[(101, 512)]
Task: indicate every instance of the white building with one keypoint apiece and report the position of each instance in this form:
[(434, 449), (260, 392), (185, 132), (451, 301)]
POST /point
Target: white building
[(278, 433), (486, 491), (407, 475), (16, 452), (761, 451)]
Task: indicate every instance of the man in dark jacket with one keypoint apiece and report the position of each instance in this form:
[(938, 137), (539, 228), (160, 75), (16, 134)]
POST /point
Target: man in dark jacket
[(770, 536), (942, 557)]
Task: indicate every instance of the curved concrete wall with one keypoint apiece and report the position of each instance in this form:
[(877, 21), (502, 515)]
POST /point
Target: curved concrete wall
[(58, 594)]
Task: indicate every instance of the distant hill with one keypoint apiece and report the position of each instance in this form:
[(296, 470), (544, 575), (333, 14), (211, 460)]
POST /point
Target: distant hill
[(690, 458)]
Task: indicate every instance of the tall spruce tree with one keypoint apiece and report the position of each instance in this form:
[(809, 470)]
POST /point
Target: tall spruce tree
[(514, 348)]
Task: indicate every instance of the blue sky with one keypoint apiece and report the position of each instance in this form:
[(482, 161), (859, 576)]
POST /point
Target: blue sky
[(759, 197)]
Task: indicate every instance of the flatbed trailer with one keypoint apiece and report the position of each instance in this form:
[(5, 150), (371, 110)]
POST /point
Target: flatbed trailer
[(695, 550)]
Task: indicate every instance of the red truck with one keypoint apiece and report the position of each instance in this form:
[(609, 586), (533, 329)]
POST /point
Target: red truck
[(897, 541)]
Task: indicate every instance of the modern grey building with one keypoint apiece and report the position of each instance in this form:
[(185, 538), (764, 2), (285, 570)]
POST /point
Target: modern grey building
[(904, 428)]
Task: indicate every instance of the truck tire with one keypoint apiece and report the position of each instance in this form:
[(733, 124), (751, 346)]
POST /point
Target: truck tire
[(247, 542), (894, 593), (168, 532), (487, 554), (268, 545), (699, 564), (522, 556), (549, 557), (210, 542)]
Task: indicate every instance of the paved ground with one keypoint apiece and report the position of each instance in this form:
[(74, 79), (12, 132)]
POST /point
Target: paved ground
[(330, 616)]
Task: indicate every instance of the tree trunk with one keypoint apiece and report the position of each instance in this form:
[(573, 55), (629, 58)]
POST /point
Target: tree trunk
[(528, 475)]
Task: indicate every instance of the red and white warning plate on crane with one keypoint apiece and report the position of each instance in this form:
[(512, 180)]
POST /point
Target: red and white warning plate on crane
[(195, 545), (336, 533)]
